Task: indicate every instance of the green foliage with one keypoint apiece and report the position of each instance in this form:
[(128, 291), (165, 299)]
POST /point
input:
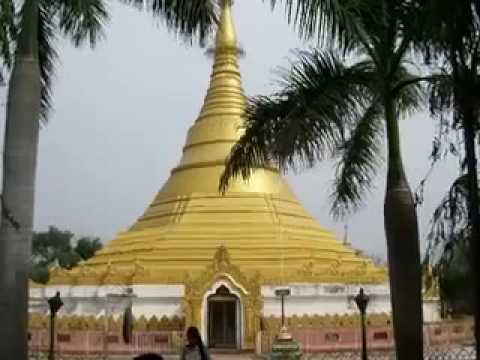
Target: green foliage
[(39, 274), (54, 247), (87, 247)]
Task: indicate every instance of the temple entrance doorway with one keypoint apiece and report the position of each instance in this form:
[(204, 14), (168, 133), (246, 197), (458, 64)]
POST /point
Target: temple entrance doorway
[(223, 319)]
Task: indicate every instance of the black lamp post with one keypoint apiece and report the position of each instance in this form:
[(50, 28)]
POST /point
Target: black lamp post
[(55, 303), (362, 302)]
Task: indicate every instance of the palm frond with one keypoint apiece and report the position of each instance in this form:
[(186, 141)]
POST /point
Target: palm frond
[(447, 25), (305, 121), (449, 224), (328, 20), (8, 31), (47, 56), (441, 95), (82, 20), (253, 149), (324, 96), (358, 160), (411, 98), (189, 19)]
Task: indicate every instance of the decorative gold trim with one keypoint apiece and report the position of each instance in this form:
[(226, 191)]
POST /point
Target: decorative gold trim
[(273, 323), (222, 269), (90, 322)]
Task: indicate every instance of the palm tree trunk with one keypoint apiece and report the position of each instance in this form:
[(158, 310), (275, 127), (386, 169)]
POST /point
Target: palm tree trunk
[(20, 155), (474, 216), (404, 263)]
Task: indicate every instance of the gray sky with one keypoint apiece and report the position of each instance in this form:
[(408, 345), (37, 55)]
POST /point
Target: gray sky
[(122, 113)]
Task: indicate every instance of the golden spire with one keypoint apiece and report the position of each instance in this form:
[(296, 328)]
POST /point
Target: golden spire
[(226, 39), (225, 95)]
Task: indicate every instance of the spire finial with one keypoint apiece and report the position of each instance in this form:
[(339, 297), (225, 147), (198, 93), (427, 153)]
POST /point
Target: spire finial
[(226, 39), (346, 240), (225, 94)]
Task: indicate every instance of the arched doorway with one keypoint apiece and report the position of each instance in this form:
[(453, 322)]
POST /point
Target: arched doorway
[(223, 319)]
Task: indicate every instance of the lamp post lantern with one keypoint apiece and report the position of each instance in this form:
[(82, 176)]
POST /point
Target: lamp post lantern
[(54, 303), (362, 302)]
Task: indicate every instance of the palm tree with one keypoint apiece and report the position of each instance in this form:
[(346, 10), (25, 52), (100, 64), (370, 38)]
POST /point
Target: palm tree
[(451, 36), (28, 102), (29, 99), (343, 103)]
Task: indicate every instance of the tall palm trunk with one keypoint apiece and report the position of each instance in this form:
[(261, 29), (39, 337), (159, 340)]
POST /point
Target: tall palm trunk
[(20, 155), (474, 215), (401, 230)]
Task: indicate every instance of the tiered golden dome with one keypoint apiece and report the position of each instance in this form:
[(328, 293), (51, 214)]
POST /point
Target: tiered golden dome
[(260, 222)]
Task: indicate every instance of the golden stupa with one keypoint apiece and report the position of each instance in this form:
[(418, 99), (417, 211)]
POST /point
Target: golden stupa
[(258, 226)]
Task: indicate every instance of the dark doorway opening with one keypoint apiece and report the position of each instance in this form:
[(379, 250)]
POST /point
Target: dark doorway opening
[(222, 319)]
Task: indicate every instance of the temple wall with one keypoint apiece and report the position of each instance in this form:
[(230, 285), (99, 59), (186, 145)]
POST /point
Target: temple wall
[(323, 299), (147, 300), (330, 299), (167, 300)]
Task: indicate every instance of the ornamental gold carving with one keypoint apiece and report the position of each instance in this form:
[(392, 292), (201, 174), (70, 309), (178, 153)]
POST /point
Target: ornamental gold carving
[(272, 324), (79, 323), (249, 289)]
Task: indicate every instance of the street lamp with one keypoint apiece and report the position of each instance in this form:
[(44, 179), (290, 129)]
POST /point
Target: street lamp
[(362, 302), (55, 303), (284, 334)]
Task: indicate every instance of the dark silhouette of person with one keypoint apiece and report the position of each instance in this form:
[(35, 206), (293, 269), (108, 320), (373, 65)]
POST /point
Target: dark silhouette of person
[(194, 349)]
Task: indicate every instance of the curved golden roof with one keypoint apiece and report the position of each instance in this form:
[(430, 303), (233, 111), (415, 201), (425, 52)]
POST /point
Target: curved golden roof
[(261, 223)]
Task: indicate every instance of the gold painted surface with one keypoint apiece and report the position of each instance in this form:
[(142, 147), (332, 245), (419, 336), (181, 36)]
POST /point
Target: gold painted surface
[(264, 227), (90, 322), (176, 323), (273, 323)]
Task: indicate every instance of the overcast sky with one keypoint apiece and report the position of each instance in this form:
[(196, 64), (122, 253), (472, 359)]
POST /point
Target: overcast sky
[(122, 113)]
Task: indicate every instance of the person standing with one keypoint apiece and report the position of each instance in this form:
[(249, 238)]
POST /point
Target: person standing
[(194, 349)]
